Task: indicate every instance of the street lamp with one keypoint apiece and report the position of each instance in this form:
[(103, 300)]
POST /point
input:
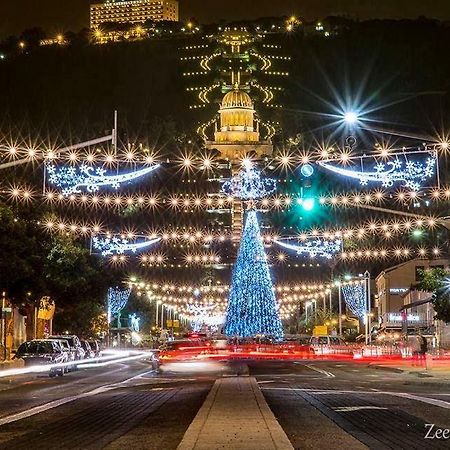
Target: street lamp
[(350, 117)]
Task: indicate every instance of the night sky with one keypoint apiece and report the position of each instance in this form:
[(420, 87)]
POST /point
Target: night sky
[(62, 15)]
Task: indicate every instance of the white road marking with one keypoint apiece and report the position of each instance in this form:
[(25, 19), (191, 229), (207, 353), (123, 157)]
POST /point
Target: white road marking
[(324, 372), (430, 401), (55, 403), (356, 408)]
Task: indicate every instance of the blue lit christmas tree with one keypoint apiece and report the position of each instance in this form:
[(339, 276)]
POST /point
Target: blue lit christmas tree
[(252, 307)]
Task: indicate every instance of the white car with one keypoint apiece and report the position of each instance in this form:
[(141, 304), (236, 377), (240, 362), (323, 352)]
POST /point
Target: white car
[(328, 345)]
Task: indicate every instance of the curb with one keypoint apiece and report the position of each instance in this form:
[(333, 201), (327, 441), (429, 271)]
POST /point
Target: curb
[(422, 378), (193, 434), (387, 369), (279, 437)]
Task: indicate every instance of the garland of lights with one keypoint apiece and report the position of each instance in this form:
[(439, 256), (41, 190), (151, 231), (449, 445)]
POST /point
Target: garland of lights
[(73, 180), (280, 259), (355, 297), (316, 247), (117, 246), (194, 202), (248, 185), (411, 173)]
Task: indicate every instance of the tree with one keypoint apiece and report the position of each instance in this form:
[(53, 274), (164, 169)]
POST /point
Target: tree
[(252, 307), (437, 281), (34, 263)]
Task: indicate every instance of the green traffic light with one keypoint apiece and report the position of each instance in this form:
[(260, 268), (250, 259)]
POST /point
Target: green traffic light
[(308, 204)]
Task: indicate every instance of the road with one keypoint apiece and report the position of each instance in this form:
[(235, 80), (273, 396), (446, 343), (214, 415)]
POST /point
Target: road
[(129, 405)]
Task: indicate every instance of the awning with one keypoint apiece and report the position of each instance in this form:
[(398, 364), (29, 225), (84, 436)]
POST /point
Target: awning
[(418, 303)]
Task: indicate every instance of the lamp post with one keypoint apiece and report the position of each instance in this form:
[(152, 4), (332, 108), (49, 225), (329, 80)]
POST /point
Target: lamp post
[(307, 304), (367, 308), (157, 313), (340, 309), (314, 303)]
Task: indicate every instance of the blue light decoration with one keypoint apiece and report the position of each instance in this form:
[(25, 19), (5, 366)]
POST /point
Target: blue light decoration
[(116, 245), (134, 322), (401, 169), (252, 307), (315, 247), (307, 170), (116, 300), (74, 180), (249, 185), (355, 298)]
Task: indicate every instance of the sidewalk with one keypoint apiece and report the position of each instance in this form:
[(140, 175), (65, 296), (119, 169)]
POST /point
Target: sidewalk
[(436, 369), (235, 415)]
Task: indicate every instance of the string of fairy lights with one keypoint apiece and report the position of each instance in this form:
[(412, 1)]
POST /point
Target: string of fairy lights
[(161, 260), (205, 236), (179, 297), (283, 159), (191, 202)]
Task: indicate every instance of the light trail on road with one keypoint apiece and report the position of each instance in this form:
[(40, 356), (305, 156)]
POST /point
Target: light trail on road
[(115, 356)]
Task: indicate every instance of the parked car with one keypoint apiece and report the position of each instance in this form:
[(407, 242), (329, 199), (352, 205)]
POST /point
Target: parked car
[(43, 352), (88, 353), (75, 345), (95, 347), (69, 356)]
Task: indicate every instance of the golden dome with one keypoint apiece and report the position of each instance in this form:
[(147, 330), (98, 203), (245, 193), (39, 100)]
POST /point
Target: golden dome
[(237, 99)]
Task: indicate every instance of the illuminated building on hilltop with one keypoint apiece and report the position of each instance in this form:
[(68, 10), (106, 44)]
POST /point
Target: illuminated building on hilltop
[(236, 137), (133, 11)]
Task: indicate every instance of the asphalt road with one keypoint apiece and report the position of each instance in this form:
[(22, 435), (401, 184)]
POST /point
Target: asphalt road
[(128, 405)]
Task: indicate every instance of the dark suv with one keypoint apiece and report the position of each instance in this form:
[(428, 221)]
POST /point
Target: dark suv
[(41, 352)]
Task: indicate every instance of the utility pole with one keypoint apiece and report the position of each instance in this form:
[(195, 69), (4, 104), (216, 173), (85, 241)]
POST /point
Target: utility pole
[(3, 316), (340, 311)]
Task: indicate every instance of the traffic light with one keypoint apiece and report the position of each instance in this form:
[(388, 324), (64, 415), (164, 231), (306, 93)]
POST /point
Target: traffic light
[(308, 203)]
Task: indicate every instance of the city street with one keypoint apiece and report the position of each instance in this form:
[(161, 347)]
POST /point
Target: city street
[(224, 225), (128, 404)]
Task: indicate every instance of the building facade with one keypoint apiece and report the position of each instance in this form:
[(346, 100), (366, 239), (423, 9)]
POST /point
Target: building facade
[(393, 292), (133, 11)]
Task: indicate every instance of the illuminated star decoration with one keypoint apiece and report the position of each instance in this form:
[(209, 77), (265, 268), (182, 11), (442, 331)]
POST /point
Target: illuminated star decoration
[(73, 180), (411, 173), (355, 298), (118, 246), (316, 247), (249, 185), (116, 301)]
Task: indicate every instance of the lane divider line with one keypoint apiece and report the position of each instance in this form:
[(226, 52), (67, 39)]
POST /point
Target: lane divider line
[(55, 403)]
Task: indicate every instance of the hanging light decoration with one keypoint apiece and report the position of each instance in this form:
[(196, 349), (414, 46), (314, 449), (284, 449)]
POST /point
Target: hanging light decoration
[(315, 247), (108, 246), (74, 180), (411, 174)]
